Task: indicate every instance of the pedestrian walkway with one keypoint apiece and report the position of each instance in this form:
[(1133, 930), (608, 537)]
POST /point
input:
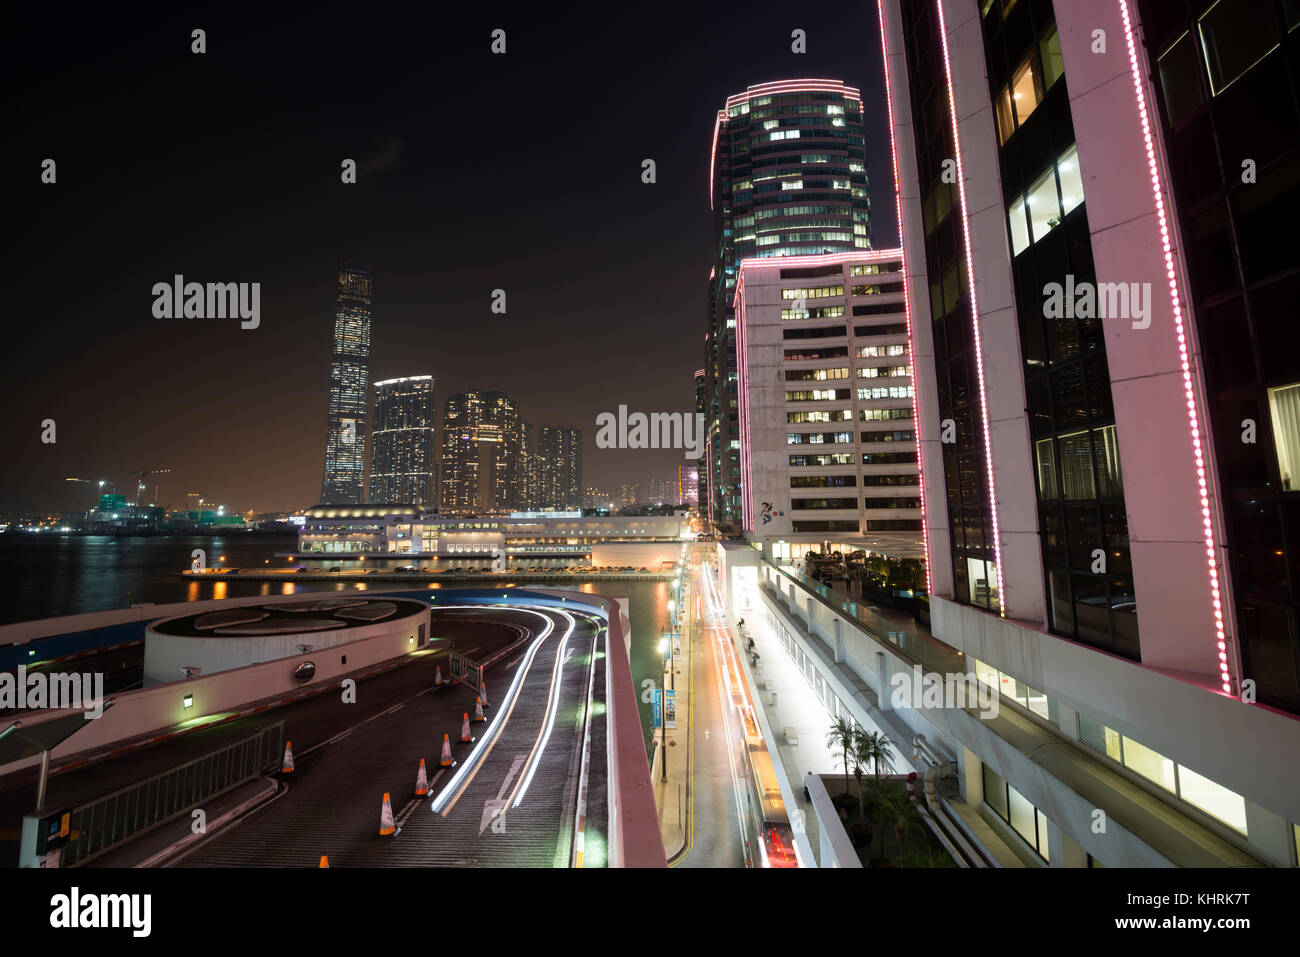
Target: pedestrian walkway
[(672, 797)]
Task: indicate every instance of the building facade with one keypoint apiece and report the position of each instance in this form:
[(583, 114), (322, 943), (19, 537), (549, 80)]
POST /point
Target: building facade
[(403, 462), (559, 467), (482, 461), (828, 448), (345, 436), (788, 177)]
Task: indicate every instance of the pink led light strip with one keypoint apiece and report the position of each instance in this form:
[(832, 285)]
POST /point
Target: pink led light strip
[(1188, 389), (975, 324), (742, 363), (907, 308)]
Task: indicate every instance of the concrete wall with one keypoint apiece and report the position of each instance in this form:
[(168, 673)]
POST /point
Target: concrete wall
[(649, 555)]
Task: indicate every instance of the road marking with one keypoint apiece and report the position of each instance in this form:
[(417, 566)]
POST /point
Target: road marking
[(494, 807)]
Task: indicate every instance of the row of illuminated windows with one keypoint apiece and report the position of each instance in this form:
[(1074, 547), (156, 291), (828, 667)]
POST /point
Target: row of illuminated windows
[(817, 395), (812, 210), (875, 269), (1010, 805), (859, 242), (809, 223), (815, 375), (823, 481), (883, 415), (1179, 780), (824, 415), (892, 372), (1015, 690), (886, 392), (776, 239), (811, 355), (817, 438), (1033, 215), (884, 435), (1075, 452), (1029, 84), (820, 292), (847, 458), (872, 352), (821, 312), (740, 109)]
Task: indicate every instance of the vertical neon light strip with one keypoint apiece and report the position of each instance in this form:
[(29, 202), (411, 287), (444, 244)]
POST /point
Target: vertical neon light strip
[(975, 322), (1193, 423), (907, 308)]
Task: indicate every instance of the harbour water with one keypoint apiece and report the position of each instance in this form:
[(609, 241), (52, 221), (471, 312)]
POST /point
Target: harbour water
[(43, 576)]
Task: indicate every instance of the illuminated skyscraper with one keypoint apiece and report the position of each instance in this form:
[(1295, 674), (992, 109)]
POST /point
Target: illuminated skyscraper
[(345, 438), (482, 467), (559, 466), (403, 467), (788, 178)]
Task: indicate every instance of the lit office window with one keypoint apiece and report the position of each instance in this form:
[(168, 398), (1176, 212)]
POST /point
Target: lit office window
[(1150, 764), (1019, 226), (1025, 95), (1234, 37), (1213, 799), (1071, 179), (1045, 453), (1049, 49), (1284, 405), (1044, 206)]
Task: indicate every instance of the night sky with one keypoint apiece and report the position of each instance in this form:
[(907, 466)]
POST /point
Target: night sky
[(476, 171)]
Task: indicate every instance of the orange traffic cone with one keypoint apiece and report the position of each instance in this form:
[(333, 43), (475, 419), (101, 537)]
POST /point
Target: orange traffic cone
[(437, 676), (324, 860), (286, 765), (421, 781), (464, 728), (446, 761), (482, 694), (478, 710), (386, 826)]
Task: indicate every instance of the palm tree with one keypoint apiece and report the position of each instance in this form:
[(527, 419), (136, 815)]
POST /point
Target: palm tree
[(841, 738), (873, 747), (899, 811)]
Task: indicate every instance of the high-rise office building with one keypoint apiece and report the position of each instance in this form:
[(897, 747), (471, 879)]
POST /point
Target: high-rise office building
[(688, 485), (482, 468), (1090, 197), (345, 437), (403, 465), (828, 448), (559, 466), (788, 178)]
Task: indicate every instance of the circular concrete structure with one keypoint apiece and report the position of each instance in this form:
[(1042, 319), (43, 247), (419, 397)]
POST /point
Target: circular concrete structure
[(212, 641)]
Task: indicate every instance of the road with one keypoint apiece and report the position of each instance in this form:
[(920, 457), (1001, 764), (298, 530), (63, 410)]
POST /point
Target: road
[(511, 799)]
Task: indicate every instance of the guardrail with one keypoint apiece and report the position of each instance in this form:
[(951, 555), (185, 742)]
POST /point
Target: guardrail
[(104, 823)]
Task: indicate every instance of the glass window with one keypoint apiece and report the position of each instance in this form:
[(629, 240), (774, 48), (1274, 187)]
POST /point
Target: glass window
[(1099, 737), (1019, 227), (995, 792), (1006, 121), (1022, 816), (1045, 450), (1284, 405), (1049, 49), (1076, 466), (1179, 83), (1062, 607), (1024, 91), (1042, 835), (1214, 799), (1234, 38), (1044, 205), (1071, 179), (1151, 765)]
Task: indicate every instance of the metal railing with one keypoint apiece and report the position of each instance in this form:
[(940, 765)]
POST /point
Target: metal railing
[(104, 823)]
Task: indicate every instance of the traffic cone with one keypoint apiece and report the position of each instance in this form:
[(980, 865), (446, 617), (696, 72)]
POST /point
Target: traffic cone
[(286, 765), (437, 676), (386, 826), (464, 728), (446, 761), (482, 694), (324, 860), (478, 710), (421, 781)]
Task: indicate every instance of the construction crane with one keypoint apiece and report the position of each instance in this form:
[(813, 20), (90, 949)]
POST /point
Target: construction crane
[(141, 476)]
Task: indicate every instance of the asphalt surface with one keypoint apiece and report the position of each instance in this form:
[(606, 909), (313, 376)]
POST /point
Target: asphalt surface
[(509, 801)]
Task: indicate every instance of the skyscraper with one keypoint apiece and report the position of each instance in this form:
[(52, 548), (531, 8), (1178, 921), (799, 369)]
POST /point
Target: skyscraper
[(788, 177), (345, 437), (482, 467), (1101, 325), (559, 466), (403, 467), (530, 463)]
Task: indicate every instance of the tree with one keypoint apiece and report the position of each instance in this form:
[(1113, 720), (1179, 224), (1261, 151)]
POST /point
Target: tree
[(897, 809), (873, 747), (841, 738)]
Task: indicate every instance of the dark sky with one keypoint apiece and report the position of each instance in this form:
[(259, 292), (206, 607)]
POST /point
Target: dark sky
[(477, 171)]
